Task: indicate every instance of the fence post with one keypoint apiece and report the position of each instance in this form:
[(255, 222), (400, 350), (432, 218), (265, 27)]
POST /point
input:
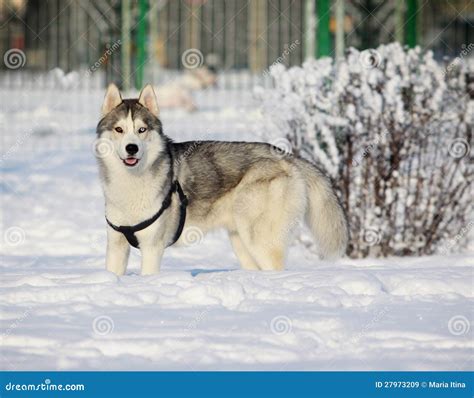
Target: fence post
[(141, 43), (411, 24), (323, 37), (309, 29), (152, 41), (257, 26), (125, 53), (340, 19), (399, 21)]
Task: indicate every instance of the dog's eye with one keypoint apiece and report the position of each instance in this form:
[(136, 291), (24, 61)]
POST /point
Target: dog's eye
[(142, 129), (118, 129)]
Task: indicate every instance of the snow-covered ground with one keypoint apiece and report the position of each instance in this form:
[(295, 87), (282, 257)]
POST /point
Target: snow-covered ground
[(61, 310)]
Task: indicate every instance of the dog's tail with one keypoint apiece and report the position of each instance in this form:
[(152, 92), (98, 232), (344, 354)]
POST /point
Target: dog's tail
[(324, 213)]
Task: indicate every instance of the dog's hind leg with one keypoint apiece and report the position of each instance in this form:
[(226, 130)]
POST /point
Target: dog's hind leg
[(264, 246), (263, 234), (245, 258), (270, 207)]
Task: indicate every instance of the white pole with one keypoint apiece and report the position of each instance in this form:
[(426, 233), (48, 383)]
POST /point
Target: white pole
[(339, 28), (309, 29)]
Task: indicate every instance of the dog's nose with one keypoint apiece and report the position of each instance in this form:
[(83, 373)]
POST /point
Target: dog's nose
[(131, 149)]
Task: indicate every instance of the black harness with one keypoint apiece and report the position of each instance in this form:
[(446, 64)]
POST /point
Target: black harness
[(129, 232)]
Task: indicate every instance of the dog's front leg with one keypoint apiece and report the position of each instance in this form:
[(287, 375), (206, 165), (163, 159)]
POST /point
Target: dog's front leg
[(151, 258), (118, 251)]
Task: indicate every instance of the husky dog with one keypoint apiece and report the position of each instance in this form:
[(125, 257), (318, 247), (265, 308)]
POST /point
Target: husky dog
[(157, 190)]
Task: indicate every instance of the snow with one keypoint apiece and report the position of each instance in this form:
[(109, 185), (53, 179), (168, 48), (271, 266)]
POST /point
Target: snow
[(61, 310)]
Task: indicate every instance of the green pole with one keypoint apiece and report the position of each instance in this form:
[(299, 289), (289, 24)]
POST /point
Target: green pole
[(323, 37), (412, 23), (141, 43)]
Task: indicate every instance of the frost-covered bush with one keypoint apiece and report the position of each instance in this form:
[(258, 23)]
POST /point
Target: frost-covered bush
[(393, 128)]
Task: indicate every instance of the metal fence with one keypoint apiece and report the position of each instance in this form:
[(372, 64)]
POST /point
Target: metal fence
[(76, 35), (63, 109)]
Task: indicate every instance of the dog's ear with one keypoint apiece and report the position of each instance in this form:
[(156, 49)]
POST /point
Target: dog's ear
[(112, 99), (148, 99)]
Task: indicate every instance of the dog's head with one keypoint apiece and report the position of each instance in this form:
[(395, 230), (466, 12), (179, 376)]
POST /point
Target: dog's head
[(131, 128)]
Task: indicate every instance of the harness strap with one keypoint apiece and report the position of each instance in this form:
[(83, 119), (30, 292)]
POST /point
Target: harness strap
[(182, 212), (129, 231)]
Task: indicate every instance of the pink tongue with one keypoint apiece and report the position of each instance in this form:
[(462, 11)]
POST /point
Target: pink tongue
[(131, 161)]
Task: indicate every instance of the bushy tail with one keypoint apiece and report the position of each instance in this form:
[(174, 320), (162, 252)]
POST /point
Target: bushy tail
[(324, 215)]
